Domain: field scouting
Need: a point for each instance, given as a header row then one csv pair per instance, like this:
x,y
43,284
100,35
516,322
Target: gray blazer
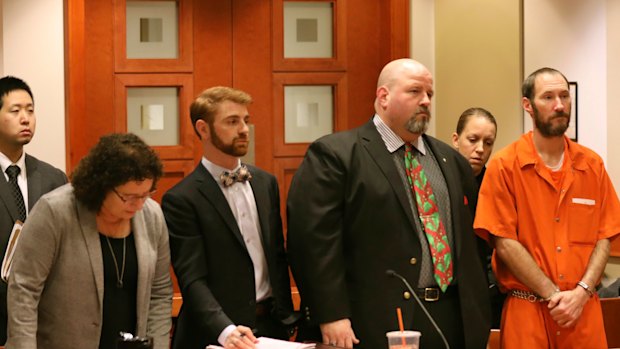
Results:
x,y
42,178
55,296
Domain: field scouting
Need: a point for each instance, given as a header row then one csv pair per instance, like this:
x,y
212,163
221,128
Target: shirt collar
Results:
x,y
392,141
216,170
21,163
527,155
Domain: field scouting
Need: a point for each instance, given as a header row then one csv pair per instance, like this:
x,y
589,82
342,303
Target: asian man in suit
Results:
x,y
226,235
387,196
25,178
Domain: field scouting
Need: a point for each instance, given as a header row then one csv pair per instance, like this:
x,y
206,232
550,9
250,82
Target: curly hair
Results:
x,y
116,159
206,104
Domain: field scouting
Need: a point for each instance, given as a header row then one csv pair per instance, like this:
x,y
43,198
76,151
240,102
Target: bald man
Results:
x,y
355,209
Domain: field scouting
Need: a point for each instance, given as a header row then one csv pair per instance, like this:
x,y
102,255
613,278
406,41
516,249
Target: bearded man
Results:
x,y
387,196
548,207
226,239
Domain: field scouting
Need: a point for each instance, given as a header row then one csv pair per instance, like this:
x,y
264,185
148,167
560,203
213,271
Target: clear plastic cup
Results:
x,y
411,339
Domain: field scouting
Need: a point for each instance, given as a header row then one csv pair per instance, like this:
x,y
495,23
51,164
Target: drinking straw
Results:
x,y
399,314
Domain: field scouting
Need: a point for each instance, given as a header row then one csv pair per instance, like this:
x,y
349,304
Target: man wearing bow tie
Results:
x,y
226,235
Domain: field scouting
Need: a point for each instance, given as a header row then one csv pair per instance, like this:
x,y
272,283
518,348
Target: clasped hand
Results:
x,y
566,307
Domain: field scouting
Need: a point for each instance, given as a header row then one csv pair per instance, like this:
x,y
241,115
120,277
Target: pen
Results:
x,y
254,332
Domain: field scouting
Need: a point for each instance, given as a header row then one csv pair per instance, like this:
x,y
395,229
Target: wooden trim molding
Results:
x,y
75,95
185,148
284,170
339,60
615,248
184,62
399,29
339,83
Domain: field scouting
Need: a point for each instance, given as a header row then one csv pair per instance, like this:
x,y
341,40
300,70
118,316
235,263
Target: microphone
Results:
x,y
392,273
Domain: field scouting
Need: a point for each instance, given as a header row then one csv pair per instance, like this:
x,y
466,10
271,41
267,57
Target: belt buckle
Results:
x,y
431,294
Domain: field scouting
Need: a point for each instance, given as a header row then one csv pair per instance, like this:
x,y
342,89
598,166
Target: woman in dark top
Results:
x,y
93,258
474,139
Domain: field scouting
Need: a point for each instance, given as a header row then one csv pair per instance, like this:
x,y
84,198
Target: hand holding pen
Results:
x,y
241,338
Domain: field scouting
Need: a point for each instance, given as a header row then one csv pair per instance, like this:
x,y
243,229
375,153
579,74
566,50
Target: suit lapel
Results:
x,y
212,192
374,144
263,206
90,233
34,181
454,188
7,197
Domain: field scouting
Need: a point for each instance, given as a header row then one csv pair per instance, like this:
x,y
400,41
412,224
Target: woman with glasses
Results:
x,y
93,258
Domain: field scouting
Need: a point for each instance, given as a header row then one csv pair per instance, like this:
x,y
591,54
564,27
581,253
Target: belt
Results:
x,y
263,307
433,294
526,295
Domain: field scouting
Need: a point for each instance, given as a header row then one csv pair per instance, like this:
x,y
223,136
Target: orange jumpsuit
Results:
x,y
558,217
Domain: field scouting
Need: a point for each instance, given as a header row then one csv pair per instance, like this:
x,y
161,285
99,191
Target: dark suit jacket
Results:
x,y
349,220
42,178
210,259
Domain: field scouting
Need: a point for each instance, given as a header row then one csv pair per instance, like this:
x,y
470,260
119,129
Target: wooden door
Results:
x,y
224,42
99,75
234,43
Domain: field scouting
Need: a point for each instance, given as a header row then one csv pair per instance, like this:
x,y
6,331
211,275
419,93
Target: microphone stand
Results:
x,y
392,273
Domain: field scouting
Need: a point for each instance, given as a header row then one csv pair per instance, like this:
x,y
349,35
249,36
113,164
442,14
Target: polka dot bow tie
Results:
x,y
241,175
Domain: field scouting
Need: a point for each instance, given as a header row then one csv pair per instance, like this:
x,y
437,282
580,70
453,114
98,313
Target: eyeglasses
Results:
x,y
133,199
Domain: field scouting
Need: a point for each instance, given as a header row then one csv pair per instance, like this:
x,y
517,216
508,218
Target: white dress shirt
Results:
x,y
242,203
22,181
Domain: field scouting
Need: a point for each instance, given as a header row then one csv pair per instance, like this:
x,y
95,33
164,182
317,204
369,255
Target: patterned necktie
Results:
x,y
13,171
431,222
230,178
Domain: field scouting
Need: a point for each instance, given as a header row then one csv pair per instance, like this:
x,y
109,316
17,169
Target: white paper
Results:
x,y
7,261
270,343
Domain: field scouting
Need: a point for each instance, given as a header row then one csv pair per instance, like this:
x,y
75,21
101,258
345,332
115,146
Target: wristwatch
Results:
x,y
585,287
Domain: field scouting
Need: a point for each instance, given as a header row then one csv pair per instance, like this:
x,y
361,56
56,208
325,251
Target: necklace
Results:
x,y
121,274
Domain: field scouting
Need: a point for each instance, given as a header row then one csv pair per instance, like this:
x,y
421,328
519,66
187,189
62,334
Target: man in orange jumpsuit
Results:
x,y
549,208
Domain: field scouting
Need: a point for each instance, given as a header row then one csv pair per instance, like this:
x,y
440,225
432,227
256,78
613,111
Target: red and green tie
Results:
x,y
431,222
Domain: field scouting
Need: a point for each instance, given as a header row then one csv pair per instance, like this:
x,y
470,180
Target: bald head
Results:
x,y
403,97
398,68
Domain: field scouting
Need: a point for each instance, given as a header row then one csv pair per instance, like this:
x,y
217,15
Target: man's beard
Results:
x,y
230,148
546,128
417,124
